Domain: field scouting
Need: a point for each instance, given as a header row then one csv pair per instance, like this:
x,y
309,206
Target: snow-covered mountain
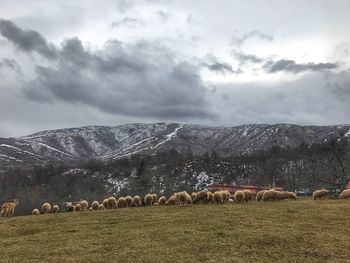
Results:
x,y
104,142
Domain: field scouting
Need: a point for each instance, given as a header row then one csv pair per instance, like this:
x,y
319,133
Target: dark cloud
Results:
x,y
27,40
137,80
239,41
11,64
293,67
246,58
128,22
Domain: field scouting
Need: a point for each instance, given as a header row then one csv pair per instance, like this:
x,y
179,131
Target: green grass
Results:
x,y
286,231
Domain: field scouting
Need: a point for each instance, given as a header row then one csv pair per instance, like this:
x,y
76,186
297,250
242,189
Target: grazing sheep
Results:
x,y
112,202
239,196
69,207
136,201
248,195
46,208
77,207
210,197
84,205
155,198
218,198
193,196
171,200
162,200
345,194
95,205
201,197
148,200
225,195
128,200
121,203
36,211
270,195
183,198
55,209
292,196
101,207
105,203
320,193
260,194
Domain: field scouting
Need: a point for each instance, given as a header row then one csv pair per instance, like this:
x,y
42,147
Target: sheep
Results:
x,y
248,195
112,202
46,208
84,205
55,209
210,197
218,198
345,194
239,196
260,194
193,196
162,200
183,198
155,198
148,199
319,194
201,197
171,200
282,195
77,207
136,201
270,195
128,200
121,203
225,195
90,208
69,207
105,203
95,205
292,196
36,211
101,207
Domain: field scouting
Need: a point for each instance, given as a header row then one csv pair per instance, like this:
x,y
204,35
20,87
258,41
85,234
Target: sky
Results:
x,y
218,63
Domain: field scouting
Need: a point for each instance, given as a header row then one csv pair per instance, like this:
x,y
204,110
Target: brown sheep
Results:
x,y
95,205
84,205
210,197
77,207
201,198
183,198
101,207
121,203
225,196
149,200
218,198
270,195
345,194
128,200
55,209
112,202
136,201
171,200
248,195
46,208
36,211
162,200
320,193
239,196
260,194
105,203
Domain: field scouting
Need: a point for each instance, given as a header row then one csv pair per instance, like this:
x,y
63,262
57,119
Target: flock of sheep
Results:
x,y
180,198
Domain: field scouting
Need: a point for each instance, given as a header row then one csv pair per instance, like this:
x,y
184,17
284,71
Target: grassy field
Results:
x,y
286,231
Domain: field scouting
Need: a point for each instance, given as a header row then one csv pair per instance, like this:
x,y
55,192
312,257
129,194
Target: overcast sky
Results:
x,y
77,63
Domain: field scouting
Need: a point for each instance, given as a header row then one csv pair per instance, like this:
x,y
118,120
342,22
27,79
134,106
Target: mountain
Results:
x,y
106,143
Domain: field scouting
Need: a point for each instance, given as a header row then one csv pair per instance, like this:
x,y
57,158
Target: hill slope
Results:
x,y
286,231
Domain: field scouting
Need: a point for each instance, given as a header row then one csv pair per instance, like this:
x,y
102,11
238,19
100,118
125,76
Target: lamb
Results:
x,y
121,203
84,205
260,194
69,207
320,193
270,195
136,201
218,198
225,195
36,211
148,200
248,195
171,200
101,207
239,196
162,200
55,209
95,205
46,208
128,200
112,202
77,207
105,203
183,198
345,194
